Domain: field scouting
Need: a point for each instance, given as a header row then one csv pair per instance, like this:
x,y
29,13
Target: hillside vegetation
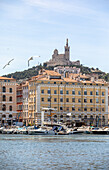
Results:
x,y
26,74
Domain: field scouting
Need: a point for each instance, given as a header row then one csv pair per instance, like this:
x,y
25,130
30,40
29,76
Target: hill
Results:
x,y
26,74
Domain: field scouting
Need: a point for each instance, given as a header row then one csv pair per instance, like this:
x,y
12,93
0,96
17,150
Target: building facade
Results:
x,y
64,70
85,101
7,101
19,96
25,103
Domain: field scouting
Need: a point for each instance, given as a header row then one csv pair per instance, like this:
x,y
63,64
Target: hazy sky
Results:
x,y
37,27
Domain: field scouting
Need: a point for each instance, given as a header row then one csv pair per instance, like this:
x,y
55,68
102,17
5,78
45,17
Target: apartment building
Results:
x,y
25,103
19,96
7,101
79,101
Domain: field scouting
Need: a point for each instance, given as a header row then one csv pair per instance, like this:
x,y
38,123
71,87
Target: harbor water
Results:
x,y
77,152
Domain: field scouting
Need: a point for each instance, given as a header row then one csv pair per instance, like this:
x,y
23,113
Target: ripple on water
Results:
x,y
54,152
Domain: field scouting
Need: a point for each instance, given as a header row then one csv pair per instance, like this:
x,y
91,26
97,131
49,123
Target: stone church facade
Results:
x,y
62,59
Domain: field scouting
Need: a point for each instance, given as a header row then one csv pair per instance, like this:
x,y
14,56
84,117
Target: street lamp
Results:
x,y
42,113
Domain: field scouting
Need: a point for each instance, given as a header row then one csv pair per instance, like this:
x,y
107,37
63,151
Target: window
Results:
x,y
73,108
55,99
85,109
73,83
10,90
79,109
73,116
55,91
4,107
49,99
85,100
91,109
3,89
4,98
10,116
73,99
97,93
79,100
67,92
85,92
4,116
103,117
79,92
61,99
61,108
61,116
10,98
61,91
54,82
73,92
61,83
102,100
49,91
67,116
102,109
97,109
67,99
42,99
97,101
90,84
91,101
55,116
91,117
10,108
79,116
85,117
91,93
42,91
102,93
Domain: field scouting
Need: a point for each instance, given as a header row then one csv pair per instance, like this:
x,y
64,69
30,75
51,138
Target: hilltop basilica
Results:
x,y
62,59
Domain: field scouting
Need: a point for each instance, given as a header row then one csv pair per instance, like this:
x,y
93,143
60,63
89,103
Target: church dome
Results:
x,y
56,51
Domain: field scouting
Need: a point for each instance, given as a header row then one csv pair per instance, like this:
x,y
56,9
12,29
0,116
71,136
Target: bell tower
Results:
x,y
67,50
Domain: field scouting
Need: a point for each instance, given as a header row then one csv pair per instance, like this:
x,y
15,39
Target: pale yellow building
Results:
x,y
76,101
7,101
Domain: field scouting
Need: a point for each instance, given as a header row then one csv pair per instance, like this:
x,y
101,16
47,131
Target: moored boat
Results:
x,y
100,131
1,129
39,131
7,131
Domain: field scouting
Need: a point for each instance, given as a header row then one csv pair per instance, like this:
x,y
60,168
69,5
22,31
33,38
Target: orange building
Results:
x,y
7,101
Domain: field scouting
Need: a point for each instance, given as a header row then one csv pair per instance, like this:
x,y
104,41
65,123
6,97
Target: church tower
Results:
x,y
67,51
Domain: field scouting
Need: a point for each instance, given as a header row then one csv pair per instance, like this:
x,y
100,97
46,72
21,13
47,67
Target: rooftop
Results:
x,y
6,78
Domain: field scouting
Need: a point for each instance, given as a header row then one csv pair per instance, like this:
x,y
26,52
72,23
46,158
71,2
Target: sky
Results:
x,y
37,27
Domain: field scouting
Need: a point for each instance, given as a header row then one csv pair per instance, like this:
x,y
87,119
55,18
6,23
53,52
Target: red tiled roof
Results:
x,y
6,78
